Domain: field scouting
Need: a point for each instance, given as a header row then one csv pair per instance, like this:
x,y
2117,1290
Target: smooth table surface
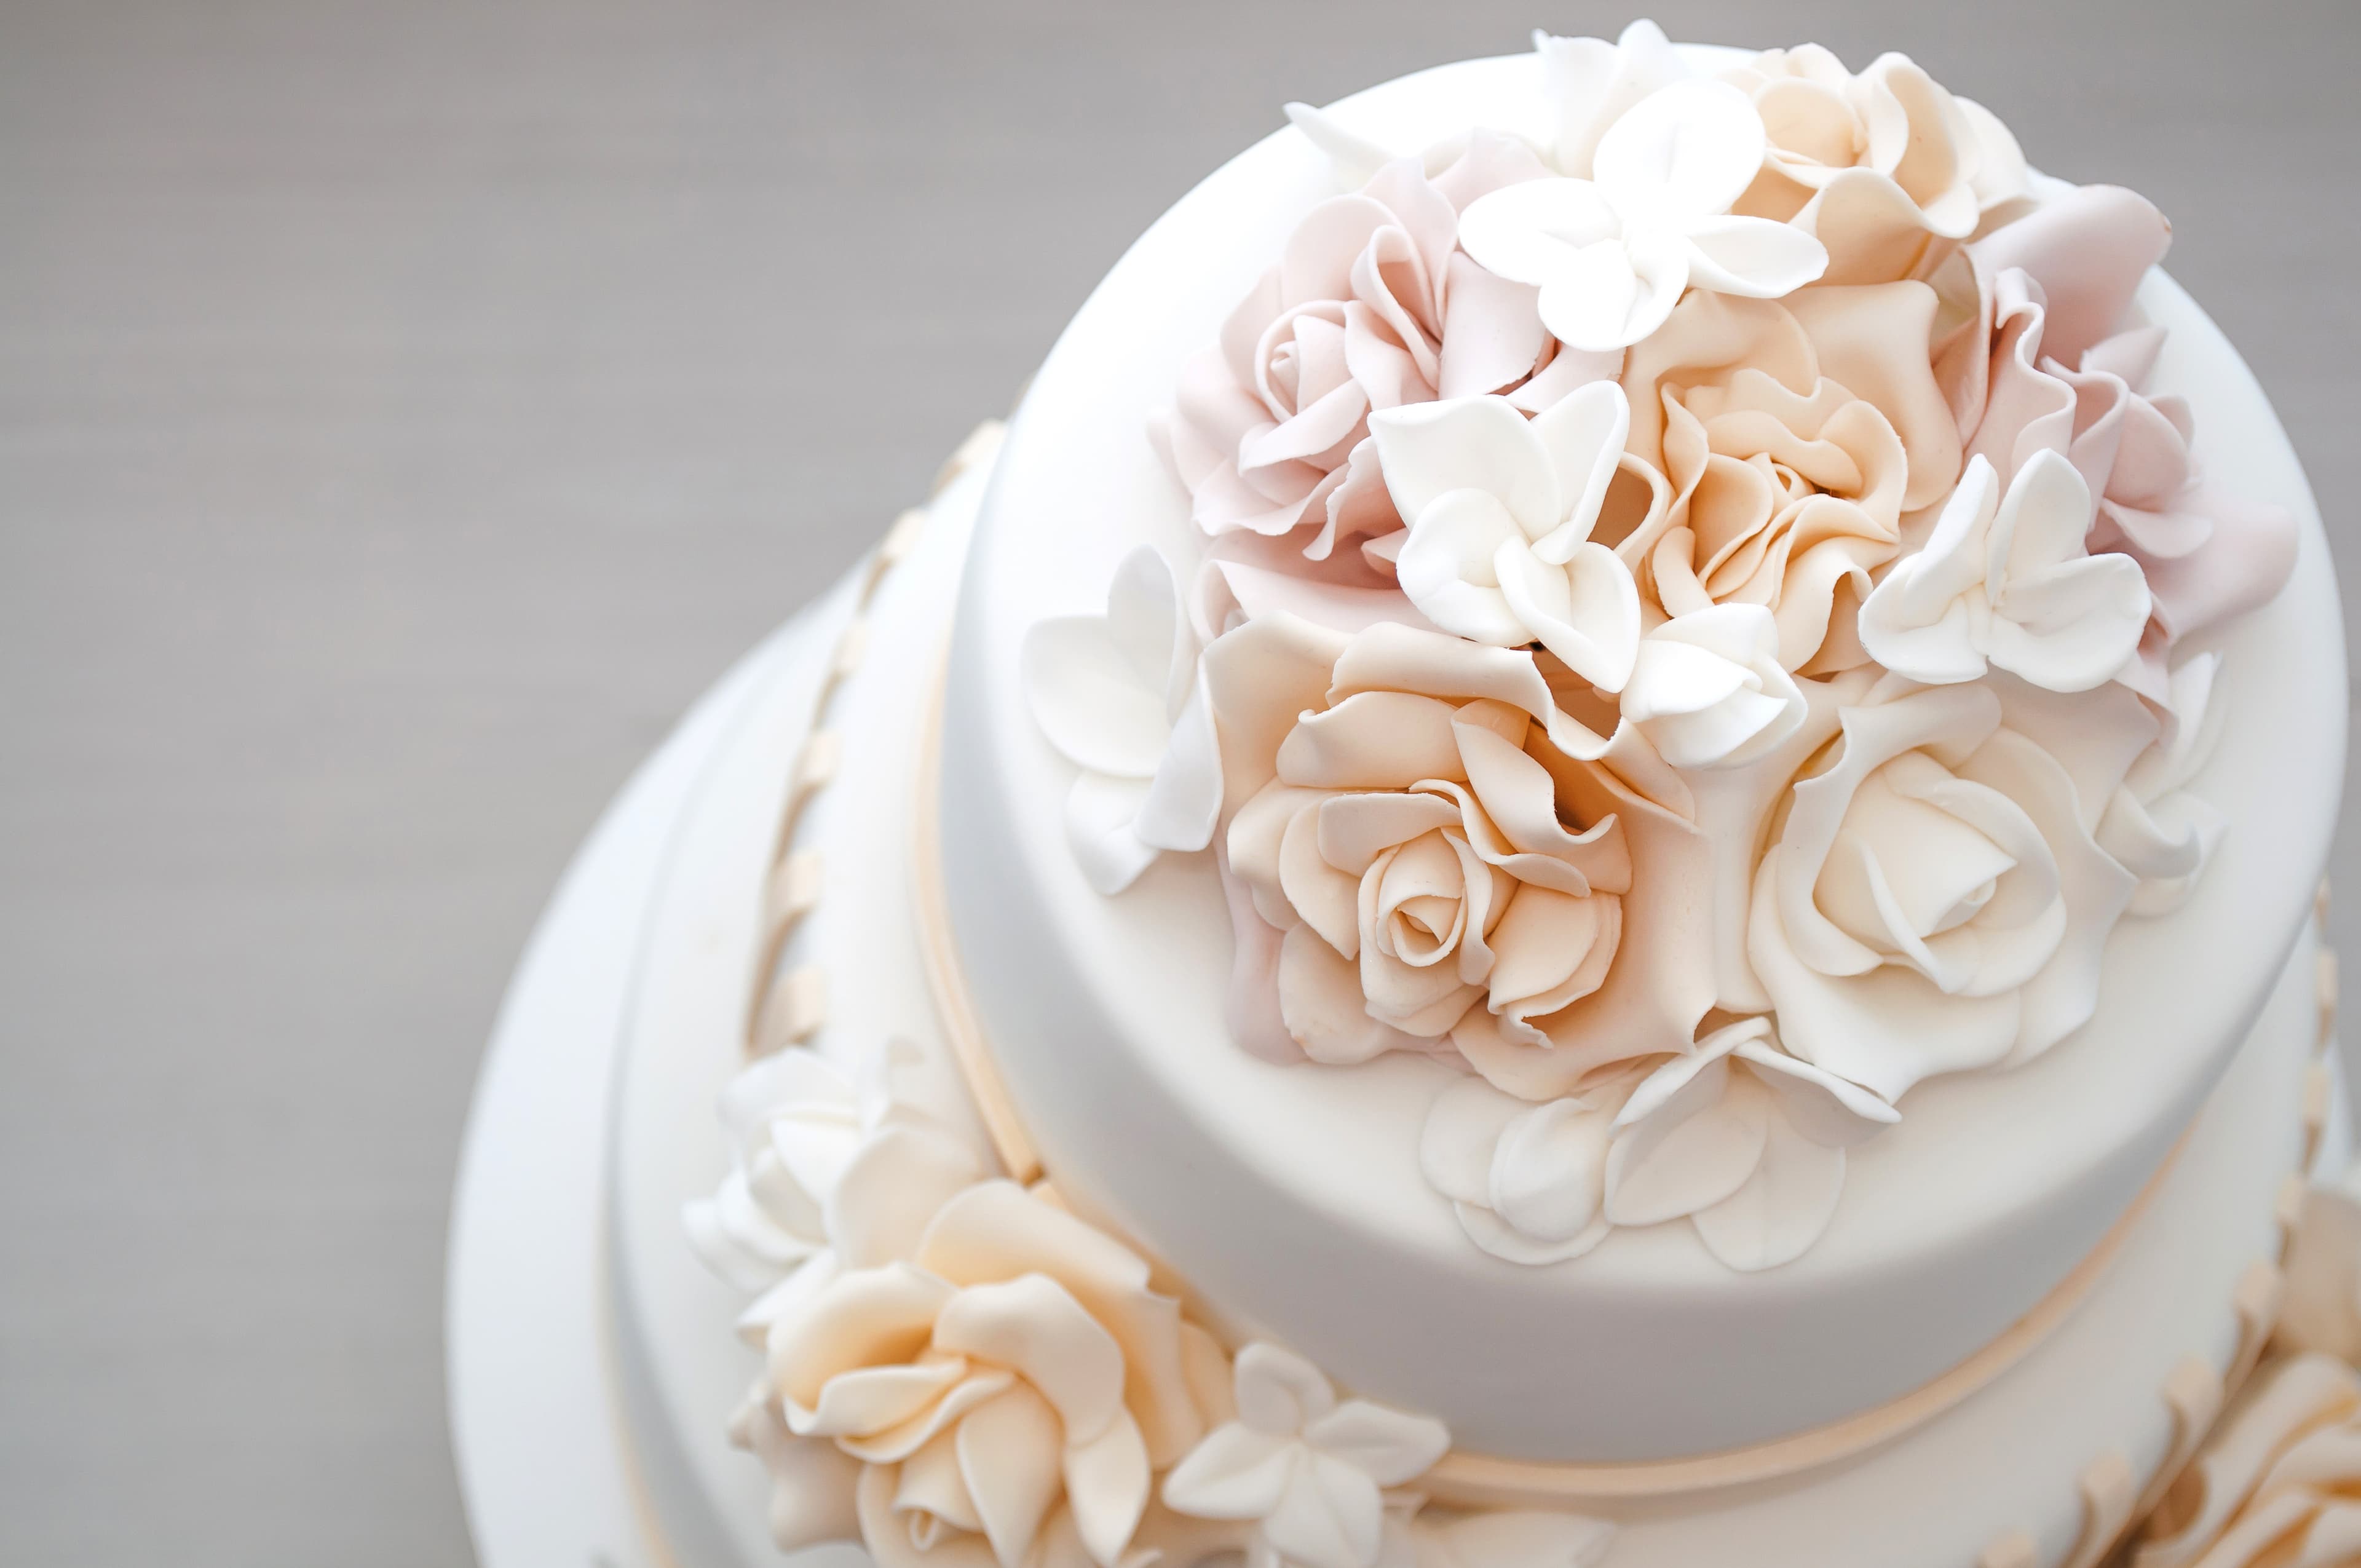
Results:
x,y
405,410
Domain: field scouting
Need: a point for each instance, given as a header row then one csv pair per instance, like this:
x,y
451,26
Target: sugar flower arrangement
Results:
x,y
1693,630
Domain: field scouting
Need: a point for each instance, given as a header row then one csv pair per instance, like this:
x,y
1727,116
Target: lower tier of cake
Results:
x,y
2038,1455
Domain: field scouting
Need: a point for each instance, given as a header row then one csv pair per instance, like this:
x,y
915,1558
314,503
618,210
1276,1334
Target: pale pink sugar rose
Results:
x,y
1784,442
1371,306
2209,555
1426,851
2050,362
2086,248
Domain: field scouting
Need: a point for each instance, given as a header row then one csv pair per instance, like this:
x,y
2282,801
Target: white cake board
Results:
x,y
535,1424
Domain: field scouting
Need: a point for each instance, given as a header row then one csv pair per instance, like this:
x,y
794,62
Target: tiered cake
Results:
x,y
1597,846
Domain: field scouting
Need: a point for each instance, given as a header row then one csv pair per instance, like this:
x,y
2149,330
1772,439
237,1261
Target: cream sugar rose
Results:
x,y
1696,618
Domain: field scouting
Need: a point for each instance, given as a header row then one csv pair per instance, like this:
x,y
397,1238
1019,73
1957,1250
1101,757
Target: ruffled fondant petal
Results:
x,y
1583,435
1099,709
1549,1169
1482,444
1008,1452
1526,233
1279,1391
1446,568
1781,1209
1592,84
1107,1485
1683,153
1585,612
1183,799
1668,1165
1616,292
1393,1447
1238,1472
1330,1516
892,1191
1102,827
1752,256
1816,1103
871,1317
1463,1128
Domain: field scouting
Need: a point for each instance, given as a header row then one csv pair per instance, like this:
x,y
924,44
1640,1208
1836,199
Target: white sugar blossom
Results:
x,y
1738,1138
1744,1141
2006,580
1500,511
1527,1182
1612,254
1708,688
1308,1470
1119,695
1592,84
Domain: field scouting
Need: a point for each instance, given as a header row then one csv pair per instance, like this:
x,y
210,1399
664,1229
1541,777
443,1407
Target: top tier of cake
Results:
x,y
1292,1197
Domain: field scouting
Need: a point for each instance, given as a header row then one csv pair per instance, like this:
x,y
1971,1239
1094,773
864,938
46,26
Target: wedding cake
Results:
x,y
1595,845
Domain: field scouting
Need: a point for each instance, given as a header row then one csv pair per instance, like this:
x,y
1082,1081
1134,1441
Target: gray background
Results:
x,y
405,409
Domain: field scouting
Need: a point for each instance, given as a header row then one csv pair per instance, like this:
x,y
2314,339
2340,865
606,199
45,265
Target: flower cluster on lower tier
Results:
x,y
1725,574
961,1373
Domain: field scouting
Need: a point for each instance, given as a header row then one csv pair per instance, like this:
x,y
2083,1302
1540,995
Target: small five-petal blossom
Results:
x,y
1309,1470
1500,511
2008,580
1612,254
